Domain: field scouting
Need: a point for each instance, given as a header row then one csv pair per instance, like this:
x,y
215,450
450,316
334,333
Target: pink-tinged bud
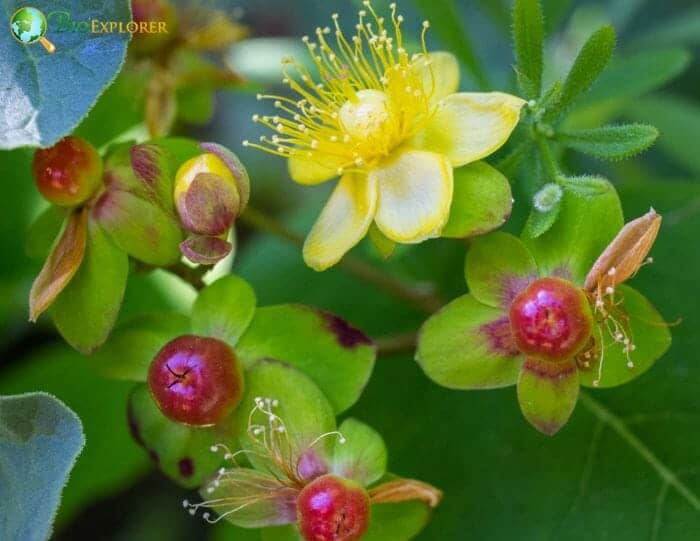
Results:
x,y
69,172
207,195
196,380
238,170
551,319
333,509
205,250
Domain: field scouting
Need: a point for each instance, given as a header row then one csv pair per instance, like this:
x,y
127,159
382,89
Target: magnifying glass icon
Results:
x,y
28,25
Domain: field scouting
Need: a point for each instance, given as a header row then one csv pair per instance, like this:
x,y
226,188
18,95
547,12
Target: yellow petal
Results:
x,y
469,126
415,193
343,222
440,73
312,170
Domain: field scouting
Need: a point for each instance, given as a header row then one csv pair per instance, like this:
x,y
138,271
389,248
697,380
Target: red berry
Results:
x,y
69,172
333,509
196,380
551,319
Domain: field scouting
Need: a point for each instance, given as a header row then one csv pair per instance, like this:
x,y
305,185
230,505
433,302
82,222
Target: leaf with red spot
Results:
x,y
468,345
333,353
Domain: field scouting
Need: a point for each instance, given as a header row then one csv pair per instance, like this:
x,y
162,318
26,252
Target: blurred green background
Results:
x,y
502,480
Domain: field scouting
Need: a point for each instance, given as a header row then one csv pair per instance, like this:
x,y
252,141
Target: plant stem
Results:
x,y
618,425
396,343
549,161
421,299
192,276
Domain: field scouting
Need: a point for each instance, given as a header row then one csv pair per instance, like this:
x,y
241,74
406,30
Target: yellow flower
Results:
x,y
392,126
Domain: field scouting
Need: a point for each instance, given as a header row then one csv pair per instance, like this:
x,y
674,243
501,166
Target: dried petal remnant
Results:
x,y
625,254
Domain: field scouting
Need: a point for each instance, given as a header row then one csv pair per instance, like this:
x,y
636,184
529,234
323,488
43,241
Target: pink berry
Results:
x,y
69,172
196,380
333,509
551,319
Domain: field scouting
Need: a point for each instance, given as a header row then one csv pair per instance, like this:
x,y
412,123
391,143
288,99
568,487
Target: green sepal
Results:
x,y
385,246
335,355
528,35
43,232
611,142
139,227
649,333
224,309
301,405
468,345
585,226
182,452
482,201
132,346
541,221
547,393
86,310
589,64
497,268
362,455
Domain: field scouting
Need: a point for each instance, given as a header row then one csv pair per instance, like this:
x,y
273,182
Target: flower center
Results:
x,y
363,98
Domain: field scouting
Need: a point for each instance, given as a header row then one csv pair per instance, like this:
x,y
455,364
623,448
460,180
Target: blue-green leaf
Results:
x,y
44,96
40,438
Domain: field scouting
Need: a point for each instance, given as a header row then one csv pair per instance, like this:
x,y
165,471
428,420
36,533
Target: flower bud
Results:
x,y
210,192
548,197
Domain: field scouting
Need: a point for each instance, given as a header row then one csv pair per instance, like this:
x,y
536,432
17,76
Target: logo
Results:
x,y
28,25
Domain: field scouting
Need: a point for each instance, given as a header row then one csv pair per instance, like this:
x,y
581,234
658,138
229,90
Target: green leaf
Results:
x,y
610,142
649,334
586,224
678,120
43,232
468,345
86,63
384,245
589,64
302,407
85,312
586,186
498,267
528,34
224,309
181,452
338,357
40,439
135,343
446,22
481,202
362,456
547,393
634,75
397,521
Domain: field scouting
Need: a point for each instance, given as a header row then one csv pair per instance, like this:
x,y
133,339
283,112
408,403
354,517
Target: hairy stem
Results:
x,y
416,296
618,425
548,159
